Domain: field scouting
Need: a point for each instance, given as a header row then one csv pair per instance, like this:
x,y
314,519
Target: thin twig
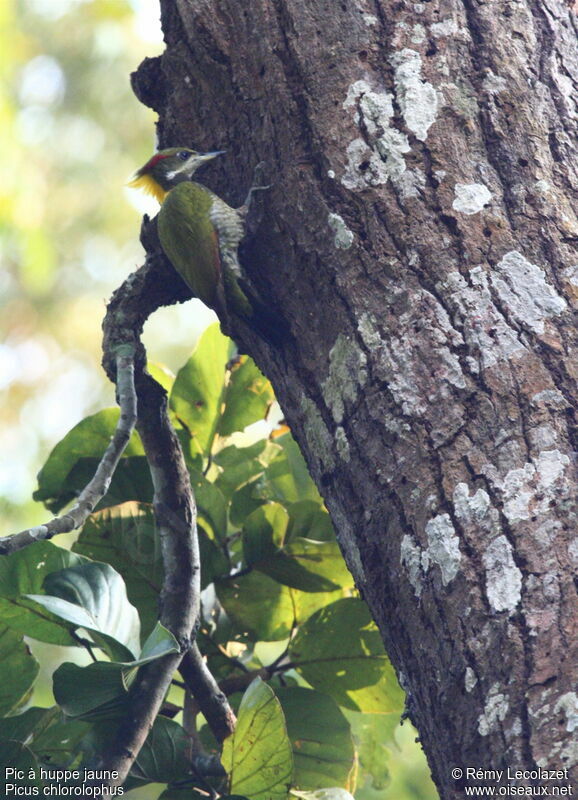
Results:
x,y
95,490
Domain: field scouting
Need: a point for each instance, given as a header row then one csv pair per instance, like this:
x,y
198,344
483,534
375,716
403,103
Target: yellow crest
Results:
x,y
148,185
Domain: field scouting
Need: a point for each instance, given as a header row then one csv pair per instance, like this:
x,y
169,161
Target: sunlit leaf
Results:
x,y
257,757
320,735
258,605
247,398
88,439
198,391
93,596
23,573
126,538
338,650
18,670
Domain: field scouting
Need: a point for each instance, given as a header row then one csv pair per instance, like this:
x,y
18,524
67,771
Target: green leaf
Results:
x,y
321,739
163,757
97,691
264,533
288,476
18,670
131,481
160,643
374,735
257,757
126,538
247,399
338,650
246,500
88,439
161,374
23,573
321,559
258,606
198,391
93,596
211,505
304,564
21,727
334,793
308,520
46,732
15,755
240,464
214,564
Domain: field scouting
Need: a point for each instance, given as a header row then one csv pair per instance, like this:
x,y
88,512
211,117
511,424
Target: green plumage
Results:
x,y
189,239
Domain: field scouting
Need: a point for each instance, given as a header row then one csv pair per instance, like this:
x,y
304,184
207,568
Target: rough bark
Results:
x,y
420,241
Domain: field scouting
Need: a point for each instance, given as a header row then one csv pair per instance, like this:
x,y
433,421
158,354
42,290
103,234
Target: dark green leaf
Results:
x,y
321,739
198,391
23,573
18,670
257,757
163,757
59,742
93,596
160,643
126,538
264,533
339,651
88,439
246,500
16,756
247,398
21,727
131,482
211,505
308,520
214,564
98,691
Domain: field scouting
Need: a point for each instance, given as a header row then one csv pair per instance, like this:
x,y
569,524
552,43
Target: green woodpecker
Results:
x,y
198,231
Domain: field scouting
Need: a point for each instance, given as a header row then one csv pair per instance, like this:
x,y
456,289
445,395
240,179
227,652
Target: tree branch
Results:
x,y
98,486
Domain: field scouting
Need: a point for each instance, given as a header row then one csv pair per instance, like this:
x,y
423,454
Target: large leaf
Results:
x,y
163,757
126,538
338,650
257,757
374,735
18,670
16,756
304,564
97,691
309,520
23,573
264,533
241,464
93,596
321,739
334,793
88,439
198,391
247,398
258,605
287,475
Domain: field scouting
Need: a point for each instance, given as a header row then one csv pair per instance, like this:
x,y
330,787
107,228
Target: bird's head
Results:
x,y
167,168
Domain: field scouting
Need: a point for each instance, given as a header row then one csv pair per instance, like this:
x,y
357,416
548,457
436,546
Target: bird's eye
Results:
x,y
183,155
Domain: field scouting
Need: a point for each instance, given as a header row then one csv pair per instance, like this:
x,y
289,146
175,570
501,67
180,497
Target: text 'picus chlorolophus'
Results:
x,y
198,231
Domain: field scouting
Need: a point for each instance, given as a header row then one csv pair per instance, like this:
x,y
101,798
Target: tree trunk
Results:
x,y
420,241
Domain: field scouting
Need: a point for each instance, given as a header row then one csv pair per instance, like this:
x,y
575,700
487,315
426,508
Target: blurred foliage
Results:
x,y
71,132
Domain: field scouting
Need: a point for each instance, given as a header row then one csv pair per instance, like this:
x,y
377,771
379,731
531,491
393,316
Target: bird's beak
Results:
x,y
209,156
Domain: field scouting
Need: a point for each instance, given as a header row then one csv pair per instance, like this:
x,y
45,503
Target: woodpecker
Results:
x,y
200,233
